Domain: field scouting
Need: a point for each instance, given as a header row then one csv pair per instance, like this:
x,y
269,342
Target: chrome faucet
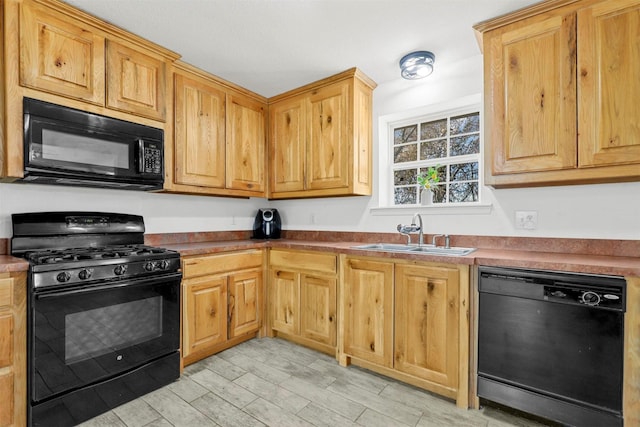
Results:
x,y
420,228
406,230
447,240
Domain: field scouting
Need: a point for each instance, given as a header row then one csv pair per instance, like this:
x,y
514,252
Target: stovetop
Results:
x,y
64,256
80,266
66,249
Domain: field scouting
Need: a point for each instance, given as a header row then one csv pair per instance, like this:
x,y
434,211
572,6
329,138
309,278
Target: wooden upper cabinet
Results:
x,y
609,88
61,55
199,133
532,80
246,143
560,93
219,137
135,82
288,136
328,137
320,139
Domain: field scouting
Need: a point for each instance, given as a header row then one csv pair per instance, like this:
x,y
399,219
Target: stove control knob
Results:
x,y
85,274
164,264
120,269
63,277
150,266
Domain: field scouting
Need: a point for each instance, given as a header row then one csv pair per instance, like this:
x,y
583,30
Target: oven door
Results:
x,y
83,336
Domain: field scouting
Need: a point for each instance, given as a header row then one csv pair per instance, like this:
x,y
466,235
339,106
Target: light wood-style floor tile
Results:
x,y
272,382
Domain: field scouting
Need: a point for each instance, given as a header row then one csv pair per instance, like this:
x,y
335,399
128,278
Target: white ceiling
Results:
x,y
271,46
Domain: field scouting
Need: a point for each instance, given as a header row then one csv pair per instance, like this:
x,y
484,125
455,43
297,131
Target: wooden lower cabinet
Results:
x,y
303,299
426,320
408,320
368,310
13,352
222,302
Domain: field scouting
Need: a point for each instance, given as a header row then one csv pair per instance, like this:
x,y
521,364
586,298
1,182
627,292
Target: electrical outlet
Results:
x,y
526,220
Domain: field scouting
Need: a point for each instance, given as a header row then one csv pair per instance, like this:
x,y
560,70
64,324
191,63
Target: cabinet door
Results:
x,y
6,368
288,153
135,82
318,308
328,137
245,296
285,301
199,133
609,88
61,56
426,323
531,99
205,314
245,144
368,311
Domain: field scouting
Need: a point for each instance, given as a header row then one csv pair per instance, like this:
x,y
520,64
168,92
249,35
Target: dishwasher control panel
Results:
x,y
588,295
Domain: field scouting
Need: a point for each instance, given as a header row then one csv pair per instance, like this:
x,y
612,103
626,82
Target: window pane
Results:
x,y
405,177
465,124
439,193
464,171
405,153
463,192
405,134
462,145
405,195
431,130
433,149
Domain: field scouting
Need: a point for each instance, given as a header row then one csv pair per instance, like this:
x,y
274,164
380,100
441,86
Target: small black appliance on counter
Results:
x,y
267,224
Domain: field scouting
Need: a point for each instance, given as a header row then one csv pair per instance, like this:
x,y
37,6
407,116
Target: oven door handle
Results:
x,y
110,285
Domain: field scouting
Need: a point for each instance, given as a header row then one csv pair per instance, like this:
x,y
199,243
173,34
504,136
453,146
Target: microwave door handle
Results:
x,y
140,156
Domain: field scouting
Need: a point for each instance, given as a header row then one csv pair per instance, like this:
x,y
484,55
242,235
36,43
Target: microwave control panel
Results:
x,y
151,157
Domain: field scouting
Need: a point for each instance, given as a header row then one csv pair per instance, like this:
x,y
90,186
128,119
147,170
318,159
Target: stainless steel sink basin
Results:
x,y
387,247
432,250
425,249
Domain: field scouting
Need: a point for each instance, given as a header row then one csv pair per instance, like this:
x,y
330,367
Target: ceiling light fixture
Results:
x,y
417,65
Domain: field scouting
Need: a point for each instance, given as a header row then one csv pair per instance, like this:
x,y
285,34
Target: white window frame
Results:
x,y
386,125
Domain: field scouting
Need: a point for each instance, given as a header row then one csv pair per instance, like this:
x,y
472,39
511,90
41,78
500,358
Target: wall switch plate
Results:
x,y
526,220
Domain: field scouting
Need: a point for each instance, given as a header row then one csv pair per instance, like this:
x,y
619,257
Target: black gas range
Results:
x,y
103,313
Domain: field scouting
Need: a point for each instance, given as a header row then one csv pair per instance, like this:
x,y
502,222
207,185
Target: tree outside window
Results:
x,y
452,143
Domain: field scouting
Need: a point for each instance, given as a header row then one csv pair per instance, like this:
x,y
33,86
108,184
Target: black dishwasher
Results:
x,y
551,344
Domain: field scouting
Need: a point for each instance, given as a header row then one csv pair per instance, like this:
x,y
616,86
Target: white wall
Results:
x,y
608,211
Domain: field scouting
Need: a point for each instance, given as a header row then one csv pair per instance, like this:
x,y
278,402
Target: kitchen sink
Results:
x,y
433,250
386,247
425,249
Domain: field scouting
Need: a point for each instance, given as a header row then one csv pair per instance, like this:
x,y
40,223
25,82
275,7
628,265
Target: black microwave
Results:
x,y
72,147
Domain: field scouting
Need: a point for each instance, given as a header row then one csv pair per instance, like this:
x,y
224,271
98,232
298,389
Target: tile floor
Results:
x,y
272,382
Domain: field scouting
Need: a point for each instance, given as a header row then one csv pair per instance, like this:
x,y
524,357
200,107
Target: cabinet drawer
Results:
x,y
214,264
6,292
325,263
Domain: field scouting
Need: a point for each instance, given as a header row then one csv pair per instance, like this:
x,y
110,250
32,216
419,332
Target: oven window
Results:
x,y
92,333
85,150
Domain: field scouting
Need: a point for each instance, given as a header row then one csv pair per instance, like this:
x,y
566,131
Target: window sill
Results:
x,y
476,209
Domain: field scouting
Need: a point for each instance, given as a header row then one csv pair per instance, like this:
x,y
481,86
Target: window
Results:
x,y
448,141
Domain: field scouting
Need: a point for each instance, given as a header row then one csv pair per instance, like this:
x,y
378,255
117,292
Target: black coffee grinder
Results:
x,y
267,224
